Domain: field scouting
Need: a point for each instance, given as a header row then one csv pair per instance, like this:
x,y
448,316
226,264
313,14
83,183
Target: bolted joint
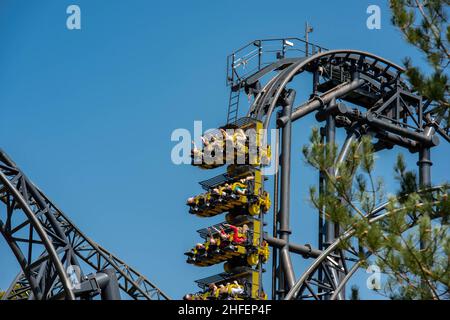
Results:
x,y
332,109
284,231
287,98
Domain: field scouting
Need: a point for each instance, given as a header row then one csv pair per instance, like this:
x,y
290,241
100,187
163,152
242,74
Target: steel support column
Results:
x,y
107,281
275,214
424,164
285,184
331,229
321,213
331,140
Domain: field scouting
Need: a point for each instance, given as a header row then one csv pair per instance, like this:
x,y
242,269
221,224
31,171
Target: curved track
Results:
x,y
377,102
50,248
339,274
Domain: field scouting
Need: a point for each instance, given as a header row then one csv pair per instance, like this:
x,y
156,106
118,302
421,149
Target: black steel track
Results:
x,y
46,243
381,104
375,101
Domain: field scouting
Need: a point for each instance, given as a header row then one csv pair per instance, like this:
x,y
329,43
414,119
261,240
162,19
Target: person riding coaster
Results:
x,y
221,192
228,291
225,246
229,241
228,148
221,246
225,197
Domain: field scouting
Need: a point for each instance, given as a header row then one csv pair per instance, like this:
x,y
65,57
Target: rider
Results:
x,y
239,234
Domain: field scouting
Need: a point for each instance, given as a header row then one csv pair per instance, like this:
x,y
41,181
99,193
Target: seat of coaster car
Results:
x,y
222,207
213,258
242,277
223,251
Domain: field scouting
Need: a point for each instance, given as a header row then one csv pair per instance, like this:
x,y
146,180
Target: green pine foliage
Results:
x,y
424,24
411,245
393,243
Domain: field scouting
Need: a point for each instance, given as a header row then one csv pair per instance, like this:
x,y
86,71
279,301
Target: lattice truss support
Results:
x,y
50,249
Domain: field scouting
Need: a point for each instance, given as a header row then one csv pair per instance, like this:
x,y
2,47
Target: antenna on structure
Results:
x,y
308,30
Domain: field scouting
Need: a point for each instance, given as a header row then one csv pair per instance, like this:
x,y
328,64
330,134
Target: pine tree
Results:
x,y
424,24
412,272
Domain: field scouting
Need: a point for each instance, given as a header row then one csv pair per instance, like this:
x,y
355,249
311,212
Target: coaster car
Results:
x,y
229,197
222,246
228,291
240,143
211,159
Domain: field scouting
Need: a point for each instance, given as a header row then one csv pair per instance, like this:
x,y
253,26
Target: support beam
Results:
x,y
352,135
34,221
285,192
321,213
331,140
104,283
394,139
332,108
428,140
424,164
107,281
275,214
318,102
305,250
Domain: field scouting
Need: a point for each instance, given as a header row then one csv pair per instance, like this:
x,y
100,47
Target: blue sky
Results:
x,y
88,114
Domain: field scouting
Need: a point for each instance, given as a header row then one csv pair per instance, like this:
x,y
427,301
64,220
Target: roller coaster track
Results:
x,y
377,102
328,262
50,249
47,245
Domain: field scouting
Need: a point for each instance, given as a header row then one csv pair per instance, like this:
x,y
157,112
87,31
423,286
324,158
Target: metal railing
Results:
x,y
258,54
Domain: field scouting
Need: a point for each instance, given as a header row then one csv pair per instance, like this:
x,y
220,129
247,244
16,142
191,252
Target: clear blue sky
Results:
x,y
88,114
